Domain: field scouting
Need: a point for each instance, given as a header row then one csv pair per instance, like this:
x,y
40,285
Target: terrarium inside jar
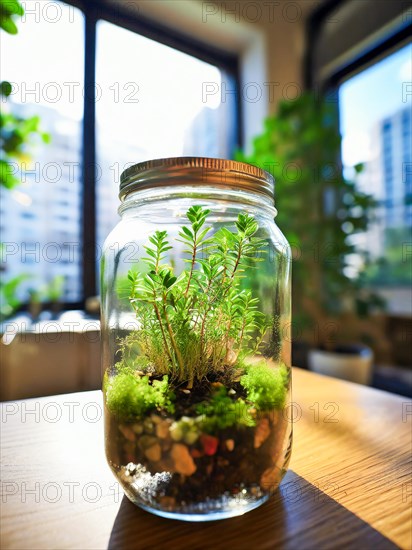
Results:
x,y
196,351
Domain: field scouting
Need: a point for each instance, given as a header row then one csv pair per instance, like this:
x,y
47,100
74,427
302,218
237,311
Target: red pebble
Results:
x,y
210,444
196,453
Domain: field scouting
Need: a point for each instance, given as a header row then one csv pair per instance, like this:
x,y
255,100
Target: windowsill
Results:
x,y
73,321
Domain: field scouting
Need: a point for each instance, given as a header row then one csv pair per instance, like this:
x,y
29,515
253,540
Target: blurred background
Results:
x,y
318,93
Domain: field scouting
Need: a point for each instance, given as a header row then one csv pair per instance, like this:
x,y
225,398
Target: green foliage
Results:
x,y
129,396
222,412
200,321
266,387
55,289
15,132
395,268
9,9
9,300
318,209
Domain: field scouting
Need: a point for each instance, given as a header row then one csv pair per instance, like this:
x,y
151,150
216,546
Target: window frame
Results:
x,y
93,11
392,42
368,56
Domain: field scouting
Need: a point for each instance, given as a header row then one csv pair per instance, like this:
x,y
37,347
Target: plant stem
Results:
x,y
159,318
192,266
172,339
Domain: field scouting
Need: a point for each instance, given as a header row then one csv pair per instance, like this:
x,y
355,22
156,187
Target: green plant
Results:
x,y
9,299
265,387
318,209
9,10
15,134
222,412
15,131
128,396
198,323
55,289
197,331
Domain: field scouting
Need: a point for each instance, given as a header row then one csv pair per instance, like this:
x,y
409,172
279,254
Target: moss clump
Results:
x,y
223,412
129,396
266,388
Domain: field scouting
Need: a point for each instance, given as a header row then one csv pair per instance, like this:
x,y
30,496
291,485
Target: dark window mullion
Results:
x,y
89,159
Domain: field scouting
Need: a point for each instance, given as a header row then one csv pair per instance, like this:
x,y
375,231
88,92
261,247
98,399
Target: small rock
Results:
x,y
156,419
127,432
162,429
154,452
146,441
183,462
191,437
231,392
209,443
137,428
186,391
130,469
176,432
261,433
148,426
230,444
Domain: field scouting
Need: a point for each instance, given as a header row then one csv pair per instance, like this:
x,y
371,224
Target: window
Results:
x,y
376,128
108,96
44,72
153,107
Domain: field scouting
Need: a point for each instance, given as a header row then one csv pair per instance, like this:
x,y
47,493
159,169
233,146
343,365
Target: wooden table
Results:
x,y
349,483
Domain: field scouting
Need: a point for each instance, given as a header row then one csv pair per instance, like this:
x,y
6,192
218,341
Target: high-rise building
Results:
x,y
388,177
396,143
40,219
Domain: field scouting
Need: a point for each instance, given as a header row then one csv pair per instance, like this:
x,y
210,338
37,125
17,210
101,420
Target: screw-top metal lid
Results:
x,y
193,171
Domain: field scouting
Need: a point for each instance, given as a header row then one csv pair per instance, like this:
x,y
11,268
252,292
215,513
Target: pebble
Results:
x,y
183,462
162,429
131,469
146,441
231,392
148,425
261,433
137,428
210,444
176,432
127,432
186,391
230,444
154,452
191,437
156,419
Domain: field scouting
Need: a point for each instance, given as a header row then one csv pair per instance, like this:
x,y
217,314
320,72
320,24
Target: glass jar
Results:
x,y
195,283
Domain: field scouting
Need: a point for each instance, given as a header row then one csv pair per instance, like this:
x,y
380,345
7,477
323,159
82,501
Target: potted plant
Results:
x,y
320,210
195,423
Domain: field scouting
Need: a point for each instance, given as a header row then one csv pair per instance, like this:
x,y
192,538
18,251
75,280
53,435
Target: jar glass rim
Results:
x,y
172,171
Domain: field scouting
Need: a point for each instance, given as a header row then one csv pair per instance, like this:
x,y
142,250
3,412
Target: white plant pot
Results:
x,y
355,366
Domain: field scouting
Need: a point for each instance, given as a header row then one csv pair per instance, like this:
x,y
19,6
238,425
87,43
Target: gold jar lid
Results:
x,y
191,171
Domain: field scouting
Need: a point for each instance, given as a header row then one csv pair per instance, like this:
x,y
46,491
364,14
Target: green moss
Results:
x,y
266,387
129,396
222,412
